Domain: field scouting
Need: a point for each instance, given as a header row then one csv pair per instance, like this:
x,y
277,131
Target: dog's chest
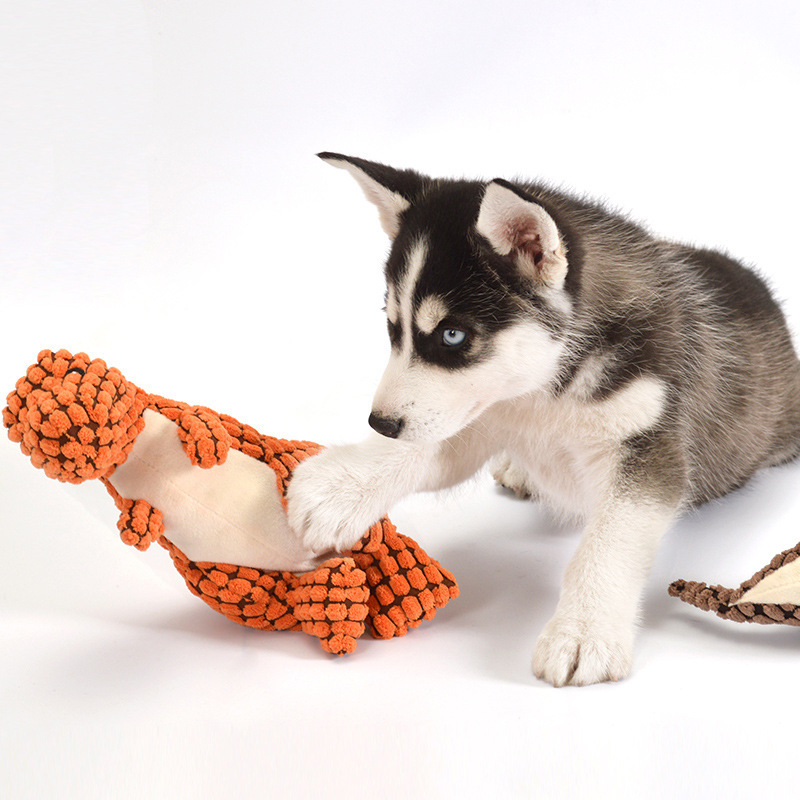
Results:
x,y
571,446
564,469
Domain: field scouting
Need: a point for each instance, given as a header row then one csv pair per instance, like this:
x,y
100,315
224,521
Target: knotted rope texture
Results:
x,y
725,602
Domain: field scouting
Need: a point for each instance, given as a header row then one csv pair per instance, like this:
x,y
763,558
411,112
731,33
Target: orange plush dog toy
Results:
x,y
211,492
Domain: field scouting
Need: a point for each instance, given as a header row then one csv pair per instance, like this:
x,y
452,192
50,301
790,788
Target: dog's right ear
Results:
x,y
517,227
391,190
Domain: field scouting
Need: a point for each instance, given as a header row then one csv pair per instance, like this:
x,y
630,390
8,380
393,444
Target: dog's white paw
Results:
x,y
329,504
512,477
578,653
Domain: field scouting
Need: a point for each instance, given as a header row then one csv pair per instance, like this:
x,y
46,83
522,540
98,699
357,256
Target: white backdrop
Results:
x,y
161,207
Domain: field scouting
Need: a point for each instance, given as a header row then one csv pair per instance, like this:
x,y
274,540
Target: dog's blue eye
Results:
x,y
452,337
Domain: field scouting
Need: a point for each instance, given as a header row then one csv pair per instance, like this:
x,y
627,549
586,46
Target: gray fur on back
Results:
x,y
699,320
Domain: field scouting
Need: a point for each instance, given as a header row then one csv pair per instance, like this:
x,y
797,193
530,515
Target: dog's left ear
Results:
x,y
517,227
391,190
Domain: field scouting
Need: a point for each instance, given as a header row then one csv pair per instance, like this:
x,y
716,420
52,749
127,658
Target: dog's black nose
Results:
x,y
386,425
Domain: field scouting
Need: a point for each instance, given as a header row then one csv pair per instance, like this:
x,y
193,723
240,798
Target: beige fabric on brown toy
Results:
x,y
770,597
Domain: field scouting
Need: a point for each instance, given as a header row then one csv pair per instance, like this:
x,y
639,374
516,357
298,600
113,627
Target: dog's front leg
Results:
x,y
334,497
590,637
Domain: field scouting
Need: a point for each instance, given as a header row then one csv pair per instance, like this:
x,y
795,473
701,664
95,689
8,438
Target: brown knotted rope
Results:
x,y
724,602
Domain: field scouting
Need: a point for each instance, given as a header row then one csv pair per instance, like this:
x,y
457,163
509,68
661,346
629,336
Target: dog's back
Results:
x,y
742,399
701,321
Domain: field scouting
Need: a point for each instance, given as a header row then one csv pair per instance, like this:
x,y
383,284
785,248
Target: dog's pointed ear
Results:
x,y
391,190
519,228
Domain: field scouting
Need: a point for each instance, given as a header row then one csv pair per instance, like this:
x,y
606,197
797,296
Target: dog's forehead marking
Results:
x,y
414,264
392,306
430,312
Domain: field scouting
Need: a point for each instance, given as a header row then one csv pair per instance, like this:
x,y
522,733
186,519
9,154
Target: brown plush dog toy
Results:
x,y
217,488
770,597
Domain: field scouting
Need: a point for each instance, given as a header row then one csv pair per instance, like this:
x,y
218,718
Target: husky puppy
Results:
x,y
618,377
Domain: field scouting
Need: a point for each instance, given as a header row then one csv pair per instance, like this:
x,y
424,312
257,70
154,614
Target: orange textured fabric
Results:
x,y
77,419
406,584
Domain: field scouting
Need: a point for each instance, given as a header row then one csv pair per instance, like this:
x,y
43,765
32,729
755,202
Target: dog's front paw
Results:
x,y
576,652
329,504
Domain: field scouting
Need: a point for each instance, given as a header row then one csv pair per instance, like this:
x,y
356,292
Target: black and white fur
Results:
x,y
615,376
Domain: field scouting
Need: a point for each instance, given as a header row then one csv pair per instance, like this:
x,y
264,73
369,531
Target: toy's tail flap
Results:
x,y
770,597
407,586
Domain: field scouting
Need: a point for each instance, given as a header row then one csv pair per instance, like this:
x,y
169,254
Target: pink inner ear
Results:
x,y
532,247
525,240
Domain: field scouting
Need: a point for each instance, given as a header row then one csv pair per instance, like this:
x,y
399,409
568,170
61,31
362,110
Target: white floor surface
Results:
x,y
161,207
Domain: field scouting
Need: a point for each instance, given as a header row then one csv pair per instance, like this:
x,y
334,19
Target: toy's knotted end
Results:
x,y
140,524
331,604
717,599
700,595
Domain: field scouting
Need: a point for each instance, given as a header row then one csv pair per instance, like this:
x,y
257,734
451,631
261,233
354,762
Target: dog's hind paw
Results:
x,y
512,477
